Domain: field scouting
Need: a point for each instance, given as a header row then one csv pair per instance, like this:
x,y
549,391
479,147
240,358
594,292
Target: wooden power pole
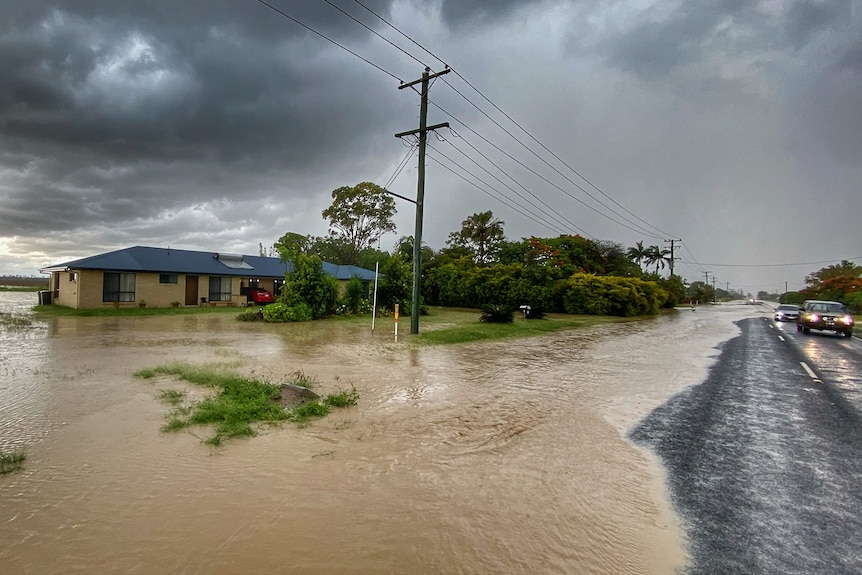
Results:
x,y
420,188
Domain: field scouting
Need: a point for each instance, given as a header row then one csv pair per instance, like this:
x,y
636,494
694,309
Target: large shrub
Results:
x,y
610,295
395,285
281,312
309,285
354,294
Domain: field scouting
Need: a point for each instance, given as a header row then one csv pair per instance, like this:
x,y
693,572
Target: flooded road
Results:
x,y
504,457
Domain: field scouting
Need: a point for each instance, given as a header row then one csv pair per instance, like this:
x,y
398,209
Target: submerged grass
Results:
x,y
13,321
172,396
238,403
10,462
444,326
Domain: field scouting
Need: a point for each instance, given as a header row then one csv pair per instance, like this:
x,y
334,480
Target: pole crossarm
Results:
x,y
406,199
424,78
418,130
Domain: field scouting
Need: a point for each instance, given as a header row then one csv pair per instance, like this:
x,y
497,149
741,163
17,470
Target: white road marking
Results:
x,y
781,338
809,371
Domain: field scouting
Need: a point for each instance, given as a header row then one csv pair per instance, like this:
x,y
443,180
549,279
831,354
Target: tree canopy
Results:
x,y
482,234
359,216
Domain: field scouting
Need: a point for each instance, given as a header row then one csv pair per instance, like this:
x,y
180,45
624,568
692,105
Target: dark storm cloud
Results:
x,y
120,109
188,19
807,17
657,43
463,13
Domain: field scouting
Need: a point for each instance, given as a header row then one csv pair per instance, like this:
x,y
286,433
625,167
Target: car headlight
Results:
x,y
813,317
847,319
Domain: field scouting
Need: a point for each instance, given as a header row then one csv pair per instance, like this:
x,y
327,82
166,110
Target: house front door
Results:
x,y
191,290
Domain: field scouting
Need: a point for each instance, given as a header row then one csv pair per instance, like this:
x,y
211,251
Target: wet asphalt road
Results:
x,y
764,460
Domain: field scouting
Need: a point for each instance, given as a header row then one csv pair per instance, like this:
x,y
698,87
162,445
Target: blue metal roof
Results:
x,y
169,260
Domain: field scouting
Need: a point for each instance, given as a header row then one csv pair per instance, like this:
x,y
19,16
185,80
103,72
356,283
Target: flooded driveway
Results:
x,y
504,457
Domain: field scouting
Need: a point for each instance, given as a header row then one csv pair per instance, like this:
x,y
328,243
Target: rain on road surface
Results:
x,y
764,461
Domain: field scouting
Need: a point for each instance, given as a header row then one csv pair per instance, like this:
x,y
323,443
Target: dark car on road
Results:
x,y
824,315
786,312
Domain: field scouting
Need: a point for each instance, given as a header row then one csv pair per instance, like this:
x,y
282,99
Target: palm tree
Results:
x,y
483,233
659,257
637,253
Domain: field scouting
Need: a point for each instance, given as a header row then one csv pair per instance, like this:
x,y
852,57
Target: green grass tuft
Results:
x,y
302,414
239,402
172,396
10,462
344,398
302,380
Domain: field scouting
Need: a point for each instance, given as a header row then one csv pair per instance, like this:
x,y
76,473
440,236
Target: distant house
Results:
x,y
162,277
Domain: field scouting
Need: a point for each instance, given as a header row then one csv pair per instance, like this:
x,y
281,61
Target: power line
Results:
x,y
500,197
420,46
401,166
328,39
525,131
543,178
554,213
376,33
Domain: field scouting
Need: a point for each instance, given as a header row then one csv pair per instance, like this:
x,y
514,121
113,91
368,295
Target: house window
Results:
x,y
219,288
118,287
167,278
73,277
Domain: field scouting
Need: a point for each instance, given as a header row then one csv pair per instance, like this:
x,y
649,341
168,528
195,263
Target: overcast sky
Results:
x,y
733,125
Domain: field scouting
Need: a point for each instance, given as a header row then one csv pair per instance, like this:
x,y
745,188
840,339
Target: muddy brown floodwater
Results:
x,y
505,457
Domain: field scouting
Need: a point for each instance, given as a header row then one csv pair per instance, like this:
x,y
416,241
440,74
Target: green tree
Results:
x,y
482,233
291,245
359,216
404,248
614,259
848,269
395,285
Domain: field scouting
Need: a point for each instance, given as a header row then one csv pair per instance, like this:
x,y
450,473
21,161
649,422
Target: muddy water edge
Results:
x,y
503,457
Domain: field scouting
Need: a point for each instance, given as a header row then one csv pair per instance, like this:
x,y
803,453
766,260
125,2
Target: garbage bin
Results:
x,y
45,297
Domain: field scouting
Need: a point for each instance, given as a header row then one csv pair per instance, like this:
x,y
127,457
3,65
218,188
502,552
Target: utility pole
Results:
x,y
713,288
420,188
706,283
671,242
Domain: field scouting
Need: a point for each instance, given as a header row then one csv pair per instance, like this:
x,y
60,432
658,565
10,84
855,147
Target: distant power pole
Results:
x,y
420,188
672,258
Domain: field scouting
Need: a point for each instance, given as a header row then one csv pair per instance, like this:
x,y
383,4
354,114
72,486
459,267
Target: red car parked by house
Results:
x,y
259,296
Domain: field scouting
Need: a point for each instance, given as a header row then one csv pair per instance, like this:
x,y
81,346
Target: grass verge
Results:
x,y
448,326
10,462
61,311
23,288
239,402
